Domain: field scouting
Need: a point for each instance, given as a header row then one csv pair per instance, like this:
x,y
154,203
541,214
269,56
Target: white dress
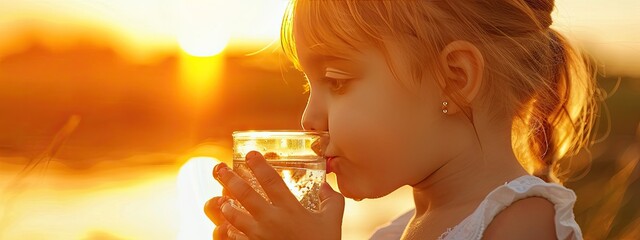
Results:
x,y
474,225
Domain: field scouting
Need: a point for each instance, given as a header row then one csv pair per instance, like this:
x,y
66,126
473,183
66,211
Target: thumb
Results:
x,y
331,202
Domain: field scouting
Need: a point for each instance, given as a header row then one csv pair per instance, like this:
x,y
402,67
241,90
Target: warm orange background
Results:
x,y
102,103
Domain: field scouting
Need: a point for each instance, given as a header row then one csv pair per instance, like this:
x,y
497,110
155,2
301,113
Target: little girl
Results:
x,y
478,105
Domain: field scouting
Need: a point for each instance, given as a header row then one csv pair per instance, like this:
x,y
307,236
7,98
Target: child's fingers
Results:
x,y
233,233
240,190
220,232
226,192
270,180
238,218
212,210
331,202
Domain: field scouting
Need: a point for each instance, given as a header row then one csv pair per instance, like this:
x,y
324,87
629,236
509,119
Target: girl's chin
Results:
x,y
358,193
354,197
347,192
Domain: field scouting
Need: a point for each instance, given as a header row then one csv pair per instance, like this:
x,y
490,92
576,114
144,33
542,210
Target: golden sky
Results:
x,y
143,27
609,29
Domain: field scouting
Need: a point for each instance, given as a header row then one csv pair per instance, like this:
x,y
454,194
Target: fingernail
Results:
x,y
216,169
226,208
220,171
250,157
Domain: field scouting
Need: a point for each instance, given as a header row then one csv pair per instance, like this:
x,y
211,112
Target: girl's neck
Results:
x,y
464,181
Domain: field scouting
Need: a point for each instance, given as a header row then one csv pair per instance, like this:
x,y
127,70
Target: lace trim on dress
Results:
x,y
473,226
563,199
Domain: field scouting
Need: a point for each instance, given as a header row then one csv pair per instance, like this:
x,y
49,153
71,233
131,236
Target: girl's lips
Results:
x,y
330,162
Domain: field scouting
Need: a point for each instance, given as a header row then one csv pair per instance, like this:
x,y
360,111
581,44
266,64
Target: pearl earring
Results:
x,y
444,107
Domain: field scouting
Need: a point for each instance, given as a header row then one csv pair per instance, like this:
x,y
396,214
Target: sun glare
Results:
x,y
202,46
199,77
195,187
203,29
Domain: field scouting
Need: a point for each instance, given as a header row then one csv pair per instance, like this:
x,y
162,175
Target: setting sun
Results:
x,y
203,28
203,45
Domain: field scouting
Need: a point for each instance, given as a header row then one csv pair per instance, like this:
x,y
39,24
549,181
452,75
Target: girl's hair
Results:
x,y
532,73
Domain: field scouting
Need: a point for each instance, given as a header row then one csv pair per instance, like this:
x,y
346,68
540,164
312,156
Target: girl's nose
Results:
x,y
315,116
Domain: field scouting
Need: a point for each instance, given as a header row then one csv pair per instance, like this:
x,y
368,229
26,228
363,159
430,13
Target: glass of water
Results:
x,y
298,156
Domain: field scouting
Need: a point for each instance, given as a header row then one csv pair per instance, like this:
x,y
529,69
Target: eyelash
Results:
x,y
337,85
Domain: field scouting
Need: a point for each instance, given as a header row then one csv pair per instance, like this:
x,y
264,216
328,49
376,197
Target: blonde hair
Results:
x,y
531,71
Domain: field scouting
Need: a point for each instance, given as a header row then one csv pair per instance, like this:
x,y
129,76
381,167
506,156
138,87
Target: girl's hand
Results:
x,y
223,230
283,218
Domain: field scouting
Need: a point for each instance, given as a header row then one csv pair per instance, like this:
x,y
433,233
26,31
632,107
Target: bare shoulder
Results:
x,y
528,218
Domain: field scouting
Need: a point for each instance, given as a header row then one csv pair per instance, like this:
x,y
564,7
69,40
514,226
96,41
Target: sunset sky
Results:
x,y
143,28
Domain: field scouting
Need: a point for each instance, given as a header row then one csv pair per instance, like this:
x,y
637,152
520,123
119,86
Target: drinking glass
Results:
x,y
297,156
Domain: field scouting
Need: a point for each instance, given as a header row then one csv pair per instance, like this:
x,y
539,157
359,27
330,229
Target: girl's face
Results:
x,y
382,135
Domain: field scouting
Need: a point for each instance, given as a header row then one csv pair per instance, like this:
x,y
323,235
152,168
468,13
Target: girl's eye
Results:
x,y
336,85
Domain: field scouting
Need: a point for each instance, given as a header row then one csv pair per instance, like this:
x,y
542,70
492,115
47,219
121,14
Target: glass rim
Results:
x,y
278,133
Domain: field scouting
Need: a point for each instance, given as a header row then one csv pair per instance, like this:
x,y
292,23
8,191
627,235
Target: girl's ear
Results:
x,y
463,66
